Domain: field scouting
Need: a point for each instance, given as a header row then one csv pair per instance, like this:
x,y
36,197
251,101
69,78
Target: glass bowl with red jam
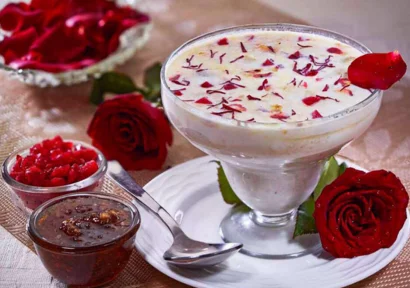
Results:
x,y
52,168
84,239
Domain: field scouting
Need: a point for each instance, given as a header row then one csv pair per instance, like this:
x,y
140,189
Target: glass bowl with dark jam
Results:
x,y
84,239
51,168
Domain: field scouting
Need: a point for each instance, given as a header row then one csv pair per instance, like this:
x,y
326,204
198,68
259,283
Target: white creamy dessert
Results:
x,y
271,156
266,76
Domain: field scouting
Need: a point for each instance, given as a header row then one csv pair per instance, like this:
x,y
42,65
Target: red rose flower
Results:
x,y
359,212
131,131
61,35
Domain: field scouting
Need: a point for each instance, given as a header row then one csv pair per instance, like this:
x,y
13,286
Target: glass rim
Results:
x,y
41,241
268,27
57,189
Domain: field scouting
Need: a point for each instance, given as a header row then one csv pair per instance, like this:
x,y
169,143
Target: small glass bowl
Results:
x,y
27,197
85,266
131,40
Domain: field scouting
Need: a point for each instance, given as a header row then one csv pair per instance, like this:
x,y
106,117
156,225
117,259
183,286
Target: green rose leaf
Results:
x,y
329,174
119,83
342,168
305,223
228,194
112,82
152,82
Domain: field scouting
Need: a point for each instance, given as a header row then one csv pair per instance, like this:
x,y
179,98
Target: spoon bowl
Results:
x,y
184,251
195,254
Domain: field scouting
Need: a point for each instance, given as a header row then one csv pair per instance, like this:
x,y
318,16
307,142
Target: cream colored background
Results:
x,y
383,25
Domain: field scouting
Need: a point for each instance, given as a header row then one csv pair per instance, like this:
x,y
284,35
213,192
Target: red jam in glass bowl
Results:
x,y
52,168
84,239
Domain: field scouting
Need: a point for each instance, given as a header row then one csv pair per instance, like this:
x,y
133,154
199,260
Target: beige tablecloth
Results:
x,y
28,114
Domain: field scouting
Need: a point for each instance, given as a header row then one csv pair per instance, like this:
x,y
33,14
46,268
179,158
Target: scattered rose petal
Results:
x,y
377,70
314,99
316,114
204,100
206,84
268,62
223,41
295,55
334,50
251,98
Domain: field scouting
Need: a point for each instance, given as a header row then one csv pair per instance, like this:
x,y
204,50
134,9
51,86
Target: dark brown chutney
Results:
x,y
84,221
85,239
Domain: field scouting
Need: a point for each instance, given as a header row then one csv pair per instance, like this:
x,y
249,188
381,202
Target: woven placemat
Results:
x,y
28,114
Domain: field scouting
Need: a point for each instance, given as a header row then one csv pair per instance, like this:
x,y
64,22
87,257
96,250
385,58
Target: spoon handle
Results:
x,y
126,182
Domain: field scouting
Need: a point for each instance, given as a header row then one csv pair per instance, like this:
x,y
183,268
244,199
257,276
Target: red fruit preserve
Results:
x,y
84,239
52,168
55,162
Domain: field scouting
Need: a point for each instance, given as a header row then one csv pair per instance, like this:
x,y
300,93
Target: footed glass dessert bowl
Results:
x,y
272,148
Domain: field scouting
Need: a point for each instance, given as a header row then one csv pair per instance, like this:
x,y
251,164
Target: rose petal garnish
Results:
x,y
316,114
203,100
377,70
334,50
223,41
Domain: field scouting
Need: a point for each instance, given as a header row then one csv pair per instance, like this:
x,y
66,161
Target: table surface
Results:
x,y
380,24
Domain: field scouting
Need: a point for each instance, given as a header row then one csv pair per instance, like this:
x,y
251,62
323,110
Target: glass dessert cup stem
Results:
x,y
267,236
272,195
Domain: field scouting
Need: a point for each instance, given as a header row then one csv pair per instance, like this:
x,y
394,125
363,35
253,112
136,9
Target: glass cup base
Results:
x,y
242,225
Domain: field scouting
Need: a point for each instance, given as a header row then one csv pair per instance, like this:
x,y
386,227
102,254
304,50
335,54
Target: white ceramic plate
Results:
x,y
190,192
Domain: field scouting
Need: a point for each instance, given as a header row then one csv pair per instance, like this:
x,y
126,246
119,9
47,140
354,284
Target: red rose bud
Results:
x,y
377,70
360,213
130,130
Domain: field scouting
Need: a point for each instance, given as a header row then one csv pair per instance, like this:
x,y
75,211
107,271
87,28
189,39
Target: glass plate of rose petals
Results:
x,y
65,42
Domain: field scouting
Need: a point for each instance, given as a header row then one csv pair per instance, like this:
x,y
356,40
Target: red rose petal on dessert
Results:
x,y
334,50
316,114
238,107
309,101
279,116
203,100
268,62
230,86
206,84
264,85
251,98
295,55
223,41
377,70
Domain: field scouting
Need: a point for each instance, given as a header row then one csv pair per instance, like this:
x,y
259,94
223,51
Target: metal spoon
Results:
x,y
184,251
